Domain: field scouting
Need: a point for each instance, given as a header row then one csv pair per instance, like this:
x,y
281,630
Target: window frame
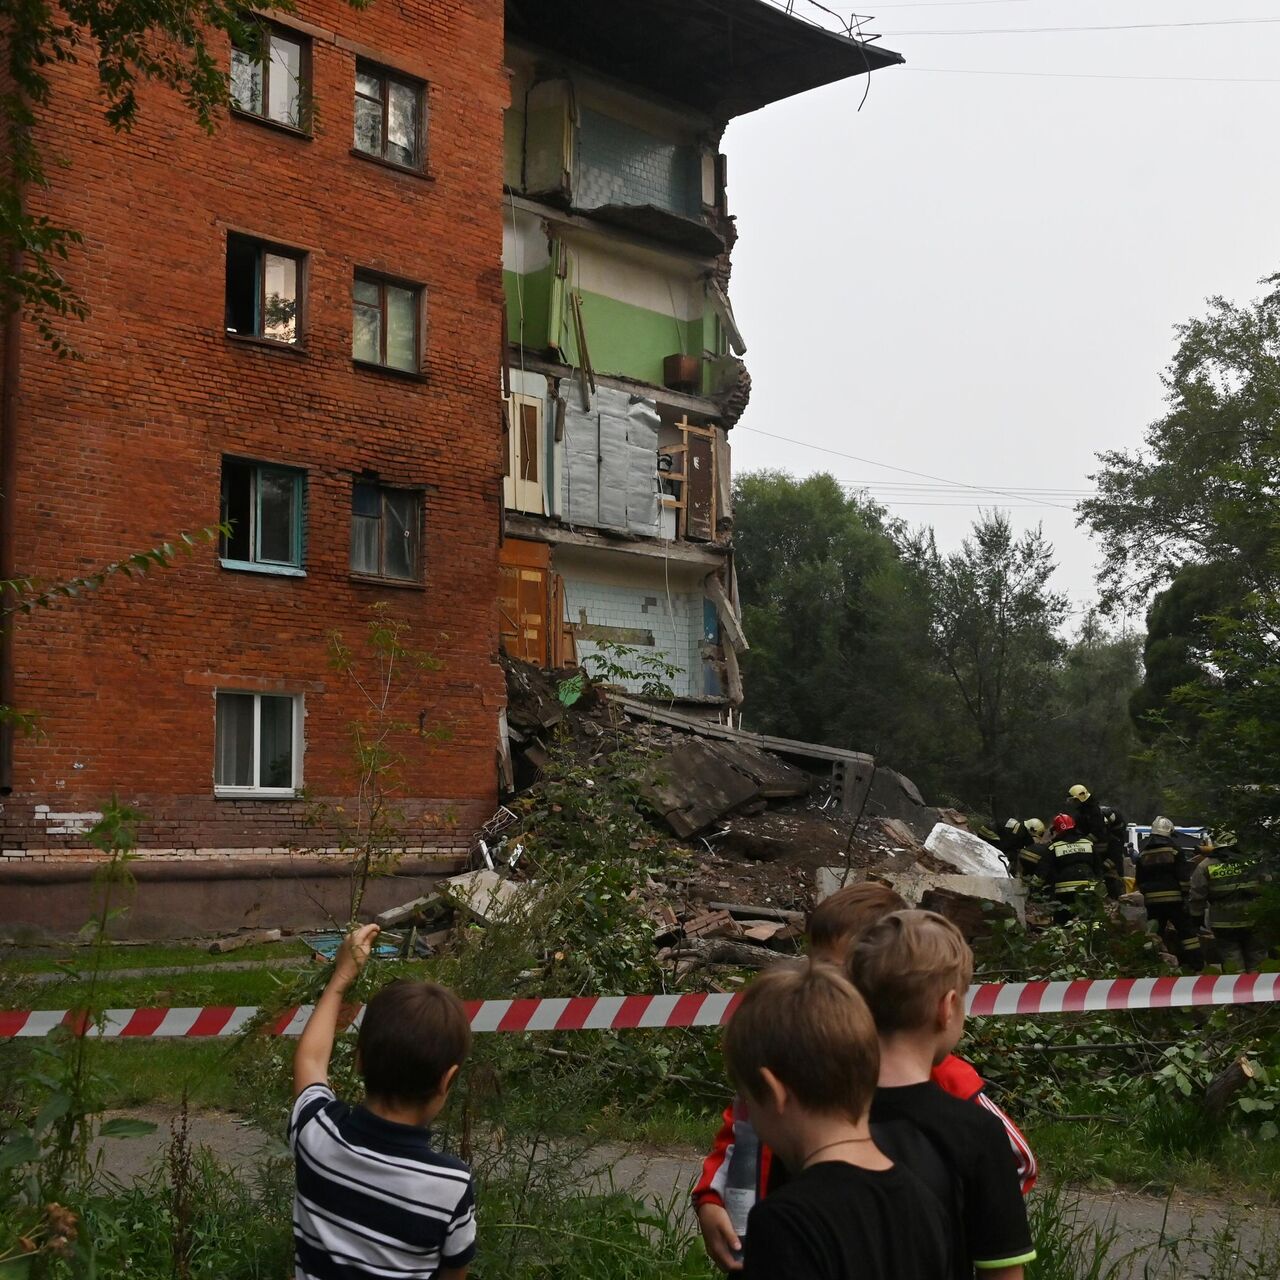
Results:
x,y
383,282
297,567
300,258
305,83
381,577
387,76
232,791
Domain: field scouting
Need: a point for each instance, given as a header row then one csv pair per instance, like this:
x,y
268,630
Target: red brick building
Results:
x,y
295,325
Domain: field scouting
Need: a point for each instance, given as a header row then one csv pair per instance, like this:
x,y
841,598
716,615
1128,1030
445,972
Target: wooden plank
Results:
x,y
727,614
762,913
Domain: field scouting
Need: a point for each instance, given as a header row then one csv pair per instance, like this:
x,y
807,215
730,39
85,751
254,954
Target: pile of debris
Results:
x,y
771,824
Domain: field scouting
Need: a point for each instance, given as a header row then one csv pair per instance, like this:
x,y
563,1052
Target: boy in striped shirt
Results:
x,y
373,1199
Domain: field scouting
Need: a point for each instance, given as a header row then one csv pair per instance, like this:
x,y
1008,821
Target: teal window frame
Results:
x,y
294,567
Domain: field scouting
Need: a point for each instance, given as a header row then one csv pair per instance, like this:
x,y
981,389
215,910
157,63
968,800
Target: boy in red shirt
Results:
x,y
834,926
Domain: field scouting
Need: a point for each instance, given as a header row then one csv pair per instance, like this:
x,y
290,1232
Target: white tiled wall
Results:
x,y
676,628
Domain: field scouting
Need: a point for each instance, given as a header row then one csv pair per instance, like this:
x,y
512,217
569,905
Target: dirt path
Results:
x,y
1138,1222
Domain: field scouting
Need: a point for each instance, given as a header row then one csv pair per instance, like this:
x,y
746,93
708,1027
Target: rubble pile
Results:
x,y
765,826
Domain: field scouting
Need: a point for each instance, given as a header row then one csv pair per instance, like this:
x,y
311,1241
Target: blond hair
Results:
x,y
838,921
904,965
813,1031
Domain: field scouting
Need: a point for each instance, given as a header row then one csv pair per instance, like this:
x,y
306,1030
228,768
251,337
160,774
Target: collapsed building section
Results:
x,y
624,373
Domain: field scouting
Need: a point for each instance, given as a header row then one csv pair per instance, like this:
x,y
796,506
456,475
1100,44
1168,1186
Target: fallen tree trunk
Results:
x,y
1222,1088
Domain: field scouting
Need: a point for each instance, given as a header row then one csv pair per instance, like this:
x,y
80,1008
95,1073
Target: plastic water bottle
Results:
x,y
742,1179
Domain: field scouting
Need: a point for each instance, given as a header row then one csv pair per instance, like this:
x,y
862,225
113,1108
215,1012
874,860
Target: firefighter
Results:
x,y
1161,881
1031,852
1225,886
1114,825
1086,813
1072,866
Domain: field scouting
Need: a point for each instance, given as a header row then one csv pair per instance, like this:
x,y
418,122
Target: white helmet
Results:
x,y
1162,827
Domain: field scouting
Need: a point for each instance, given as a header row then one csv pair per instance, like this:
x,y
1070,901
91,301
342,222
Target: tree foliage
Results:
x,y
954,668
1203,489
994,627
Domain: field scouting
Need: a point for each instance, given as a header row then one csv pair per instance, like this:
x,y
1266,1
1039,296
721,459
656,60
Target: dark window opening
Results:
x,y
263,290
264,507
385,526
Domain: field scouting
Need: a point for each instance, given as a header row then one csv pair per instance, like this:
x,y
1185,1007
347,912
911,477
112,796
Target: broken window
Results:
x,y
273,87
385,322
385,526
257,747
263,290
263,506
390,116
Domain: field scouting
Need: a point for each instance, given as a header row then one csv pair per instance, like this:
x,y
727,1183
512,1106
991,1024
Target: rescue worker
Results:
x,y
1225,886
1114,825
1031,852
1160,875
1086,813
1072,866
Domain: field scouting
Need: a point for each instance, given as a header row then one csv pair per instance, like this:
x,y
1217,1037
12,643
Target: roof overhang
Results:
x,y
722,57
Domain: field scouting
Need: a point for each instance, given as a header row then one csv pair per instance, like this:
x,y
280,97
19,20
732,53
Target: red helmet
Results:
x,y
1062,823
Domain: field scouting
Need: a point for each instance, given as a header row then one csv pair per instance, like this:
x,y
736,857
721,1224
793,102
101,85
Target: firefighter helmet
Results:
x,y
1079,792
1062,823
1162,827
1035,826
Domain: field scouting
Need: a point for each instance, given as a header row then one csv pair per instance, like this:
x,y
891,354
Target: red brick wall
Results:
x,y
124,449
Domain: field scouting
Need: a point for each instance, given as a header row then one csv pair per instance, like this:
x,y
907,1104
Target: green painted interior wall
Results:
x,y
629,340
533,290
623,339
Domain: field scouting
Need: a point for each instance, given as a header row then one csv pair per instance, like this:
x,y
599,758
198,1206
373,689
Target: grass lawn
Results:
x,y
15,959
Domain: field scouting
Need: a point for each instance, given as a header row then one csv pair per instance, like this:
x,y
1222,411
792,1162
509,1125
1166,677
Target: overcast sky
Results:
x,y
977,276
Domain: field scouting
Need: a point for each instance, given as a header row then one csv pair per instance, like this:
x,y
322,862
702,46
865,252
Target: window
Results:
x,y
274,88
264,285
385,524
390,116
263,505
258,746
384,323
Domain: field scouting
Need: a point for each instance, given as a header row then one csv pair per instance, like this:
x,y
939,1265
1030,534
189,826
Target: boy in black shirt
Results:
x,y
801,1049
913,969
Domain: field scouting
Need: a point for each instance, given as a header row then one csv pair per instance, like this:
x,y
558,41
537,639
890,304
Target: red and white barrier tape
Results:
x,y
618,1013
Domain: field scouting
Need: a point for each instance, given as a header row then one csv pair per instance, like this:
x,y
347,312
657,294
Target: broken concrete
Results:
x,y
1003,890
967,853
486,896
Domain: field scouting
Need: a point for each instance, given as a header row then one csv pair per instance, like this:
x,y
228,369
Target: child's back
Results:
x,y
961,1154
373,1201
837,1221
373,1198
913,969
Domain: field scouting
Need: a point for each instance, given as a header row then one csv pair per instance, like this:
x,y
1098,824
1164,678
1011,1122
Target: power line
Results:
x,y
1086,75
1125,26
906,471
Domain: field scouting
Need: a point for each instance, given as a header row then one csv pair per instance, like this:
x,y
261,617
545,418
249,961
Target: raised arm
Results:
x,y
315,1046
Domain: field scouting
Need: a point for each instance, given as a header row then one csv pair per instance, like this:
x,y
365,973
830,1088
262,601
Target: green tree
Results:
x,y
1203,489
994,629
174,43
1090,737
838,623
1179,634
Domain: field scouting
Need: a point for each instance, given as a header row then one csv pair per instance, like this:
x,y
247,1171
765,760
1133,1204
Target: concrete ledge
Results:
x,y
173,899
